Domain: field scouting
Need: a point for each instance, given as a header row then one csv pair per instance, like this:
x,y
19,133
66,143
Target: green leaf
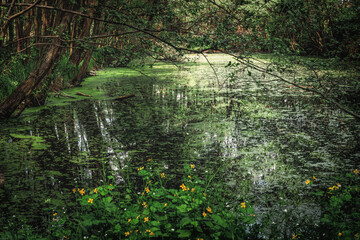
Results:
x,y
185,221
182,208
209,224
153,209
155,223
320,193
184,233
218,220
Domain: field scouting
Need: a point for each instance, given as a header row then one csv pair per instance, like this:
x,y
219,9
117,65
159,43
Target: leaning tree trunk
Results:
x,y
22,92
78,79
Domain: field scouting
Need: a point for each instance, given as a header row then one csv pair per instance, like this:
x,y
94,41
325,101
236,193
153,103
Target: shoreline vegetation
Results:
x,y
196,209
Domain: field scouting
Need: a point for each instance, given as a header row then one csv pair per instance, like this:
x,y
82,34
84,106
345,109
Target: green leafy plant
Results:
x,y
193,210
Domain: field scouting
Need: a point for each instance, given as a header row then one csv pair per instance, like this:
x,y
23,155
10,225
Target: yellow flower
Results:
x,y
146,219
149,159
340,234
183,187
163,175
204,194
65,237
165,204
144,204
74,190
243,205
82,191
193,189
55,214
129,220
151,233
91,200
314,178
209,210
356,171
307,181
189,176
137,217
192,166
204,214
294,236
127,234
95,190
253,215
147,190
141,168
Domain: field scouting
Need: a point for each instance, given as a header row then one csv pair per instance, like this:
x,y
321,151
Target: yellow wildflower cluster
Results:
x,y
163,175
184,188
150,232
209,210
127,234
81,191
204,214
356,171
336,187
308,180
293,236
91,200
147,190
192,166
165,204
146,219
243,205
144,204
95,190
141,168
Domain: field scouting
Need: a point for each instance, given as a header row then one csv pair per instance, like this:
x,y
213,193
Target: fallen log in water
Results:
x,y
125,97
82,94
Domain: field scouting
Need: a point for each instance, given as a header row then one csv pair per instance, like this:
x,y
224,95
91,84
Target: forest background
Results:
x,y
47,46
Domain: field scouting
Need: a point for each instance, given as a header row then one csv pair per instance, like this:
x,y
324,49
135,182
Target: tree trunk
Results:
x,y
76,81
86,26
22,92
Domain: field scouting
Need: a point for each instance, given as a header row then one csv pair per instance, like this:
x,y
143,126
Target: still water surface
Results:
x,y
257,138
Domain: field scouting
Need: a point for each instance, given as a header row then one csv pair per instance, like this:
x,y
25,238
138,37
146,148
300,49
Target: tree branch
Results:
x,y
322,95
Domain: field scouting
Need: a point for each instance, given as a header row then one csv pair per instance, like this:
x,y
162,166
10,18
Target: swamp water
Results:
x,y
261,140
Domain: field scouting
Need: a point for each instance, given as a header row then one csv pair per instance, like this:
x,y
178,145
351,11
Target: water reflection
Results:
x,y
262,141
